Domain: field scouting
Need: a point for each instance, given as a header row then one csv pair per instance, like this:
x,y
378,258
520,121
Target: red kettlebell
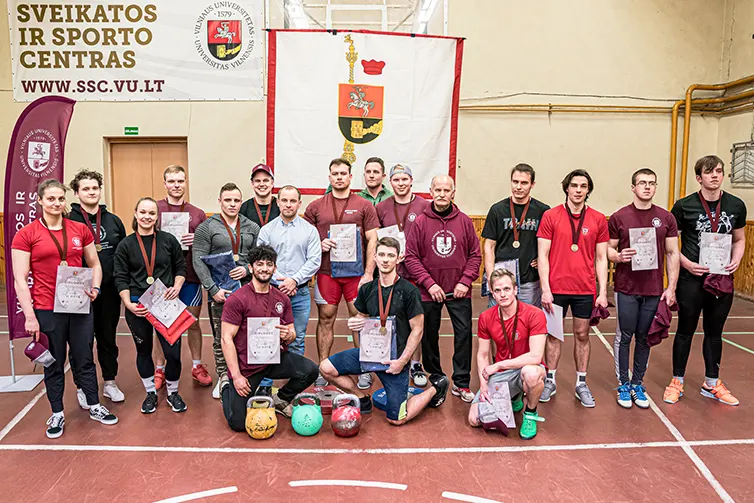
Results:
x,y
346,415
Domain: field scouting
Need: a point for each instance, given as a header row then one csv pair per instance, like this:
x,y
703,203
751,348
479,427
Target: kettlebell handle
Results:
x,y
297,400
259,398
346,396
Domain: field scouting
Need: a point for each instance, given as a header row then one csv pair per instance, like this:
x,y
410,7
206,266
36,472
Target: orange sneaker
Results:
x,y
159,378
719,393
200,375
674,391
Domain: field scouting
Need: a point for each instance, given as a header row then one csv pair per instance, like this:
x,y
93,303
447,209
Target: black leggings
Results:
x,y
692,301
142,332
635,315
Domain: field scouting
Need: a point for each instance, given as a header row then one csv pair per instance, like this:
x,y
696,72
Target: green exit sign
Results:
x,y
131,130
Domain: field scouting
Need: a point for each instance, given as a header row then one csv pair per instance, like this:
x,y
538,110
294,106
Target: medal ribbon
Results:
x,y
148,263
517,224
259,212
508,341
575,231
235,241
63,252
401,222
95,234
385,310
339,217
713,221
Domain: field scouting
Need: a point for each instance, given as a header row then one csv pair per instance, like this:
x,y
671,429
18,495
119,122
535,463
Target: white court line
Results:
x,y
467,497
199,495
350,483
683,443
743,348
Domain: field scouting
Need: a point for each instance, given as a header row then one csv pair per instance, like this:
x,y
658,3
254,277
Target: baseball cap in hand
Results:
x,y
38,351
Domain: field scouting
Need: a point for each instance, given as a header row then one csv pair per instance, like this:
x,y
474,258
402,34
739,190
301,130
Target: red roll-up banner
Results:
x,y
35,154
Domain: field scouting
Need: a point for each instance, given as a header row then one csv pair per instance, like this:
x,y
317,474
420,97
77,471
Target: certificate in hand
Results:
x,y
262,340
393,232
177,224
644,241
374,347
555,322
220,265
345,237
500,395
71,285
715,251
166,311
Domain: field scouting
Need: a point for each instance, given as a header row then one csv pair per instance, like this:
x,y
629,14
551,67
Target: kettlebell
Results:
x,y
261,422
307,418
346,415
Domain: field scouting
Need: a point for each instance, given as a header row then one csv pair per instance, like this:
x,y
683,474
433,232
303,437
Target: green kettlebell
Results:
x,y
307,418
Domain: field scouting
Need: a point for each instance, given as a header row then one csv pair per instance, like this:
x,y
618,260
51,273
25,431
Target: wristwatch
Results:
x,y
99,290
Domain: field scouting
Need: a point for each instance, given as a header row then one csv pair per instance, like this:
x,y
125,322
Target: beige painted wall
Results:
x,y
642,48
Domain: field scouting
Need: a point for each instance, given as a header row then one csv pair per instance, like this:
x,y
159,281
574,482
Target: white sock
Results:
x,y
551,374
172,386
710,382
196,362
149,384
680,378
160,367
580,378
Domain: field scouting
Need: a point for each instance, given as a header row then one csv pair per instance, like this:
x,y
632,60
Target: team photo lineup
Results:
x,y
395,258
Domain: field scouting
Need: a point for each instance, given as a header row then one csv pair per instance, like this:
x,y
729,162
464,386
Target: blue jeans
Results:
x,y
301,306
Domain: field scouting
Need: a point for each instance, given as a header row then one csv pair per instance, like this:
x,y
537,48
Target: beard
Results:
x,y
261,279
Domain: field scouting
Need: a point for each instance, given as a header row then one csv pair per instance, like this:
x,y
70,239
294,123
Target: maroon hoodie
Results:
x,y
443,251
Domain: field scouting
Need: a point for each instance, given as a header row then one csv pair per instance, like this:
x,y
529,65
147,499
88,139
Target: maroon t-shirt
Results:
x,y
196,216
247,303
358,211
386,211
650,282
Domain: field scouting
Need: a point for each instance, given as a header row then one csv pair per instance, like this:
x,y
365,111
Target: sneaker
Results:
x,y
81,397
101,414
55,426
264,391
549,390
321,382
441,384
365,381
624,396
282,407
719,393
159,378
673,392
584,394
110,390
529,425
418,375
464,394
517,403
149,404
639,396
366,407
177,403
200,375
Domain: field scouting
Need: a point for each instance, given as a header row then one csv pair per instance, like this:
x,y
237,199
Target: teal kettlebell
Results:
x,y
307,418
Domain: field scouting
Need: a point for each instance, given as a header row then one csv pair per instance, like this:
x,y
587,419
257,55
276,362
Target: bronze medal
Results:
x,y
149,264
98,247
235,239
383,330
714,227
516,244
575,230
235,257
384,309
150,280
63,263
517,223
62,251
574,247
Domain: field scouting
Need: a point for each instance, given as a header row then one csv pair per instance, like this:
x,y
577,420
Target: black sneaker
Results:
x,y
55,426
149,404
101,414
441,384
418,375
366,405
177,403
264,391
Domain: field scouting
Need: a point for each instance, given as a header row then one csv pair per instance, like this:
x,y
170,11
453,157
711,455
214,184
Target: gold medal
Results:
x,y
63,263
574,247
98,247
383,330
235,257
516,244
150,280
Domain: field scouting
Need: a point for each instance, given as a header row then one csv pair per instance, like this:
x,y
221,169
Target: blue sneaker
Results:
x,y
638,395
624,396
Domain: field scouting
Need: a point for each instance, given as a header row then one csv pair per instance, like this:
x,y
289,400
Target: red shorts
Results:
x,y
329,290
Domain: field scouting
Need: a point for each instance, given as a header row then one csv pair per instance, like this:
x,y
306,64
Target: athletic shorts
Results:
x,y
512,377
581,305
329,290
191,294
396,385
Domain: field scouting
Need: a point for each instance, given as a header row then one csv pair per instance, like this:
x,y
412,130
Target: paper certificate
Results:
x,y
555,322
644,241
177,224
167,311
262,341
393,232
345,237
509,265
500,395
71,285
714,251
375,347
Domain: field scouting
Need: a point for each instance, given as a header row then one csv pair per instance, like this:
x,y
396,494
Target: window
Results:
x,y
742,164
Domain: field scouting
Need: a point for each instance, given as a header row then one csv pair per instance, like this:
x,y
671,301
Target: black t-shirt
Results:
x,y
692,221
249,210
406,304
499,227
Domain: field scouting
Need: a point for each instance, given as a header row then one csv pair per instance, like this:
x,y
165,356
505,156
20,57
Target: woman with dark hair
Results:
x,y
40,248
140,259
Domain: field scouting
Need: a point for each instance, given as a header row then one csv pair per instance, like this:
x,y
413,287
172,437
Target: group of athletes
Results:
x,y
535,258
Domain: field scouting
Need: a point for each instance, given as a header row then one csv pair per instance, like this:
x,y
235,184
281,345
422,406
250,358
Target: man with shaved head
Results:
x,y
443,257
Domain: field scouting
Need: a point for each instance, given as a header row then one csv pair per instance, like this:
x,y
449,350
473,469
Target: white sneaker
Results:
x,y
100,413
55,426
110,390
216,390
365,381
81,397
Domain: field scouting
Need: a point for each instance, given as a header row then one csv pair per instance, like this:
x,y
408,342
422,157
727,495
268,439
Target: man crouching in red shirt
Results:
x,y
519,331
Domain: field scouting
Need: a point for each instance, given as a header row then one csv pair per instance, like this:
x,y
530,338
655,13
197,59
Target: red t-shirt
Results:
x,y
196,216
45,258
572,273
647,282
531,321
358,211
247,303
